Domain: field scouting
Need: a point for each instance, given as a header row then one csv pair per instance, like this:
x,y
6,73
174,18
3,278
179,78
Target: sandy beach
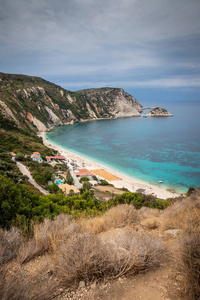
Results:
x,y
120,180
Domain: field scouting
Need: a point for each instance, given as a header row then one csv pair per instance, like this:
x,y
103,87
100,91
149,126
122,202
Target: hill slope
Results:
x,y
36,104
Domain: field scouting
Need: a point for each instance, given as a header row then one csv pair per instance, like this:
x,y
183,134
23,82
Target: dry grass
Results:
x,y
181,215
188,265
118,216
19,285
86,257
10,242
185,215
151,223
47,237
189,262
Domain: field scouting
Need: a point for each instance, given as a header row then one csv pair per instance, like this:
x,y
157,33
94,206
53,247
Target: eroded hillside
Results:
x,y
36,104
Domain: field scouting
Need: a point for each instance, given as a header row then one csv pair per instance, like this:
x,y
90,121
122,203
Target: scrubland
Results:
x,y
66,253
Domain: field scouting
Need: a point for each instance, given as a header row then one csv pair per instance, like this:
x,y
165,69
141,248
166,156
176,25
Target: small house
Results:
x,y
36,157
13,155
53,158
66,188
84,173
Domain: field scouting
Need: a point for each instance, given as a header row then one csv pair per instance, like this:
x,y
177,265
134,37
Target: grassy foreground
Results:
x,y
65,252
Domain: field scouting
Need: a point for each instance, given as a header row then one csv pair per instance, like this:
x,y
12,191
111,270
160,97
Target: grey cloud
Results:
x,y
131,37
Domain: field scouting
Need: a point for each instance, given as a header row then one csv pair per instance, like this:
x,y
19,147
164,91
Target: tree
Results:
x,y
95,177
83,179
71,193
69,179
87,185
48,175
19,157
104,182
39,179
53,188
15,199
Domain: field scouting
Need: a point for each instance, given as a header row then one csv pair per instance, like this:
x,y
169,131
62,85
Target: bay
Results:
x,y
150,149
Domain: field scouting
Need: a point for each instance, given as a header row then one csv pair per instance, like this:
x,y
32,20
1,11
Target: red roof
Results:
x,y
12,153
84,172
36,153
55,157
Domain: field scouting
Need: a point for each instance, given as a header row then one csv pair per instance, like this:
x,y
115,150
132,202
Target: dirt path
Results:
x,y
153,285
24,171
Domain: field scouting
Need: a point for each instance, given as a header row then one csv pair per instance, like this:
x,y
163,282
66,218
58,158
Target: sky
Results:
x,y
150,48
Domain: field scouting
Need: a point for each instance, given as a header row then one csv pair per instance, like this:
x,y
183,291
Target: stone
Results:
x,y
173,232
81,284
93,286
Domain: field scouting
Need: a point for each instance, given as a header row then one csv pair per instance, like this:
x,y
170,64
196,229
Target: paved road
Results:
x,y
24,171
76,181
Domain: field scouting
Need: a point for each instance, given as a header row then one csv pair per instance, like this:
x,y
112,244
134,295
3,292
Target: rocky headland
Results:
x,y
37,105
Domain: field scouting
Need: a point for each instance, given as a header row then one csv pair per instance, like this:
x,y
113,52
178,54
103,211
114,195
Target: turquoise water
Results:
x,y
58,182
150,149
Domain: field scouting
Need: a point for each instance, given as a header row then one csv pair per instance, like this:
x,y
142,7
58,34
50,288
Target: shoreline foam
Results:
x,y
132,184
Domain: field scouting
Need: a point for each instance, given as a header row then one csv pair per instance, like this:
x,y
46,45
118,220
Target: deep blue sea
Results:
x,y
150,149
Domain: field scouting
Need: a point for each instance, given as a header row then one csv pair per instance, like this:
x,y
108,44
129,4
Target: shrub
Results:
x,y
85,257
47,236
39,179
183,215
83,179
190,265
86,185
118,216
190,191
53,188
69,179
10,242
20,285
19,157
104,182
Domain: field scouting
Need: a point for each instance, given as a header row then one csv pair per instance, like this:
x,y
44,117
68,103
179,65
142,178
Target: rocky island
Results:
x,y
159,112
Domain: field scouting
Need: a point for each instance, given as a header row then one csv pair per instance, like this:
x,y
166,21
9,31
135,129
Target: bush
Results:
x,y
83,179
39,179
118,216
190,265
47,237
104,182
86,257
69,179
20,157
53,188
190,191
20,285
10,242
86,185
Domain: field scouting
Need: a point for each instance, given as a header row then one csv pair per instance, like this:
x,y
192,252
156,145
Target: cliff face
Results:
x,y
159,112
36,104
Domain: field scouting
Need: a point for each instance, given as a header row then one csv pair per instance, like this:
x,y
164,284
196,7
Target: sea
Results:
x,y
151,149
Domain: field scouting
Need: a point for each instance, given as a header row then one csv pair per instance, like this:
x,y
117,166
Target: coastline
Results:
x,y
132,184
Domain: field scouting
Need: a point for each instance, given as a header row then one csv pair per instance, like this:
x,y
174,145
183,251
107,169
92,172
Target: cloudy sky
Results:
x,y
151,48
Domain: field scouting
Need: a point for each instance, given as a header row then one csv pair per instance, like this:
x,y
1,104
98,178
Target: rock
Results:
x,y
173,232
81,284
159,112
93,286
